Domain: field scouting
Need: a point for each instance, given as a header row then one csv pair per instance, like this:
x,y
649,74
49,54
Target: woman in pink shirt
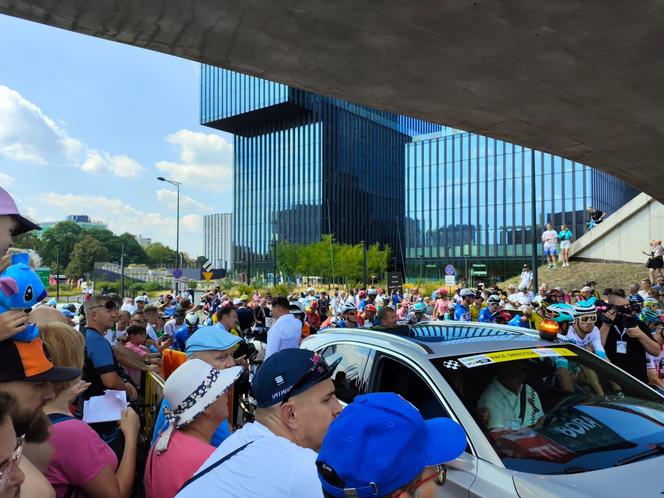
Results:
x,y
83,465
197,393
136,342
442,305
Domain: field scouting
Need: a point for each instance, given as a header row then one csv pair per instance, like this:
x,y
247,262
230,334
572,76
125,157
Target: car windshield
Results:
x,y
557,410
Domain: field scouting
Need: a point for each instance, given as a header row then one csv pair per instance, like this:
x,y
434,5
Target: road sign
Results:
x,y
207,275
430,266
450,280
207,266
216,274
177,273
478,270
44,275
449,270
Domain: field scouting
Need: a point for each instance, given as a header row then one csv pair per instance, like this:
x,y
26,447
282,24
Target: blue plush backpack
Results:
x,y
21,289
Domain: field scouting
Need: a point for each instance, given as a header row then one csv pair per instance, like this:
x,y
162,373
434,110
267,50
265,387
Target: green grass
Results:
x,y
613,275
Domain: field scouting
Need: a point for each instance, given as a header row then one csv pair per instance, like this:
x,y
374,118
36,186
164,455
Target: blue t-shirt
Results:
x,y
180,338
99,351
486,316
219,435
462,313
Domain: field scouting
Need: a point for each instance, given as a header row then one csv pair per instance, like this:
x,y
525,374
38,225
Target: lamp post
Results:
x,y
177,227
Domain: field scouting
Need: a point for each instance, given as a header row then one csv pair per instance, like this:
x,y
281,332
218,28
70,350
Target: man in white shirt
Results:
x,y
509,403
524,297
275,456
550,240
129,305
286,331
526,277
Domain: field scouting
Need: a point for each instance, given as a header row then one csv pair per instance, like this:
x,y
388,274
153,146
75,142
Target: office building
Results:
x,y
218,240
305,165
469,203
82,220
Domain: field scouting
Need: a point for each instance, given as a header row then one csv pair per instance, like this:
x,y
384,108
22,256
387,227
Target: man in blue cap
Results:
x,y
214,346
381,446
275,456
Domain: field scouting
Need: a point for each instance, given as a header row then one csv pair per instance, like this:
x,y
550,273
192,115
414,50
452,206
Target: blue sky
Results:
x,y
86,126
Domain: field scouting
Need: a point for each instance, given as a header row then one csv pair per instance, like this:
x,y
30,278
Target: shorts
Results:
x,y
565,244
550,251
655,263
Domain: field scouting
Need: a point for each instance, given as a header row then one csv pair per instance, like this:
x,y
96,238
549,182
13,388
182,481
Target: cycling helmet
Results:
x,y
314,305
560,312
493,299
650,316
635,299
348,307
192,319
650,302
420,307
296,308
467,293
372,292
585,307
442,291
370,308
362,294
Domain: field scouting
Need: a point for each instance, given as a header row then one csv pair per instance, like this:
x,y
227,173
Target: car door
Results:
x,y
351,375
392,373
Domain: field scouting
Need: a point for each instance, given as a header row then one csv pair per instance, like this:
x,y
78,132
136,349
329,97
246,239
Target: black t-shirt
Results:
x,y
632,362
597,215
245,317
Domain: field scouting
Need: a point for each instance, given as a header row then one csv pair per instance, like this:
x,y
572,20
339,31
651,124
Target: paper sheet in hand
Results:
x,y
106,408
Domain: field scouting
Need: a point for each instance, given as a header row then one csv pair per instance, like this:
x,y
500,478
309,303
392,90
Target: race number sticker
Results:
x,y
513,355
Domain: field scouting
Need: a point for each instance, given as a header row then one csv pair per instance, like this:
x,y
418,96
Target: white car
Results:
x,y
596,431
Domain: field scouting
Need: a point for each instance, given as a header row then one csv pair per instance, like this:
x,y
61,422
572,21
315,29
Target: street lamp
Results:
x,y
177,227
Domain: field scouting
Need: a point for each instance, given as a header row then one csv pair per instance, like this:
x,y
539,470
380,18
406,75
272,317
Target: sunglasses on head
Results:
x,y
109,305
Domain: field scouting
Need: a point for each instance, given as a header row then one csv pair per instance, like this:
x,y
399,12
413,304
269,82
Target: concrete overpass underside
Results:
x,y
583,79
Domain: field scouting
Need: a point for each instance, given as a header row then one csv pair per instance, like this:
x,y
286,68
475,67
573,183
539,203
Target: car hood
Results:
x,y
642,479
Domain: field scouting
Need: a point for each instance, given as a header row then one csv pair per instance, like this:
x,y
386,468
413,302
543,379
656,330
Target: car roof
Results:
x,y
445,339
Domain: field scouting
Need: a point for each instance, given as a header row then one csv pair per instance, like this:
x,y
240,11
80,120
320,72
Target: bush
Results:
x,y
279,290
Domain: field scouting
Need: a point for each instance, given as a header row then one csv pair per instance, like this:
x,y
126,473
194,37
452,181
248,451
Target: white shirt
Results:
x,y
170,327
524,298
550,237
284,334
151,333
592,339
505,406
270,467
526,278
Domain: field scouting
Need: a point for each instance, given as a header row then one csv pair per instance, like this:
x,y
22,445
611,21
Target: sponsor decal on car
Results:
x,y
513,355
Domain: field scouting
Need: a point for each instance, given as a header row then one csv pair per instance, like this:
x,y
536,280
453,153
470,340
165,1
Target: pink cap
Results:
x,y
8,207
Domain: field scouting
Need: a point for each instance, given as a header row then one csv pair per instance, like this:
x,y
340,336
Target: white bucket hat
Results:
x,y
190,390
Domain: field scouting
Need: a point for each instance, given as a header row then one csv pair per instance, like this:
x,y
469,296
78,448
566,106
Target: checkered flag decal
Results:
x,y
452,364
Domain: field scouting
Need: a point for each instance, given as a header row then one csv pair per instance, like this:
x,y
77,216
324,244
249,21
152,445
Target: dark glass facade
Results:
x,y
306,165
469,201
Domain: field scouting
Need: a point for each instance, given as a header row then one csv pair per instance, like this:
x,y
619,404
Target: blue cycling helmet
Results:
x,y
560,312
651,316
420,307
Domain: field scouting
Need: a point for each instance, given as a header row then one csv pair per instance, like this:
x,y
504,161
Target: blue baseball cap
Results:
x,y
210,338
380,442
287,373
67,313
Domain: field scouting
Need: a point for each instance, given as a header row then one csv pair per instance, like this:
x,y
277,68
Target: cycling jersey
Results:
x,y
486,316
462,313
593,339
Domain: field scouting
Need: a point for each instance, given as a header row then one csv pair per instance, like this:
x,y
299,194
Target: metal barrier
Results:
x,y
154,393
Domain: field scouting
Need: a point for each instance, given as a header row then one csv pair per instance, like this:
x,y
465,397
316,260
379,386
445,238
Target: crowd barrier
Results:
x,y
154,392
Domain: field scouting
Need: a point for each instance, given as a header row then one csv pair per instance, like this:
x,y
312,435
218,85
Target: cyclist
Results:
x,y
348,317
488,313
369,316
583,331
190,326
477,306
462,308
418,314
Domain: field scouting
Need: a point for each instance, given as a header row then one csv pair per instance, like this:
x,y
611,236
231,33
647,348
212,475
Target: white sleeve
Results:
x,y
597,341
304,482
273,336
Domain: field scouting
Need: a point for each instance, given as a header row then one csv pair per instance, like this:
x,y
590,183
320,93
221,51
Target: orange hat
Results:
x,y
28,361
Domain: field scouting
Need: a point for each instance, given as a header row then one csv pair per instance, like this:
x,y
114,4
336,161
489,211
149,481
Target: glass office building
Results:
x,y
469,203
306,165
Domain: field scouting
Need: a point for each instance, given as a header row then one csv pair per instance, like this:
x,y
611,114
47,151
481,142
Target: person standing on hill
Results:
x,y
565,237
550,239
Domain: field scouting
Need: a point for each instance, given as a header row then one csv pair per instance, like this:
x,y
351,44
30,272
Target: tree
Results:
x,y
60,239
28,240
160,255
85,254
134,253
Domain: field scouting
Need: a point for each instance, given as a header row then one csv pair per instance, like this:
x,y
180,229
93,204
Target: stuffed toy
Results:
x,y
21,289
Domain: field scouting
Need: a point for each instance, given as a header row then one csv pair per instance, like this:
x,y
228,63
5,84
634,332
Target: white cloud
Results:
x,y
6,180
121,217
206,160
27,134
169,198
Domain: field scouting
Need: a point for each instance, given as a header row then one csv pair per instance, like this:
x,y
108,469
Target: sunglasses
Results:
x,y
588,318
319,367
12,463
109,305
438,477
